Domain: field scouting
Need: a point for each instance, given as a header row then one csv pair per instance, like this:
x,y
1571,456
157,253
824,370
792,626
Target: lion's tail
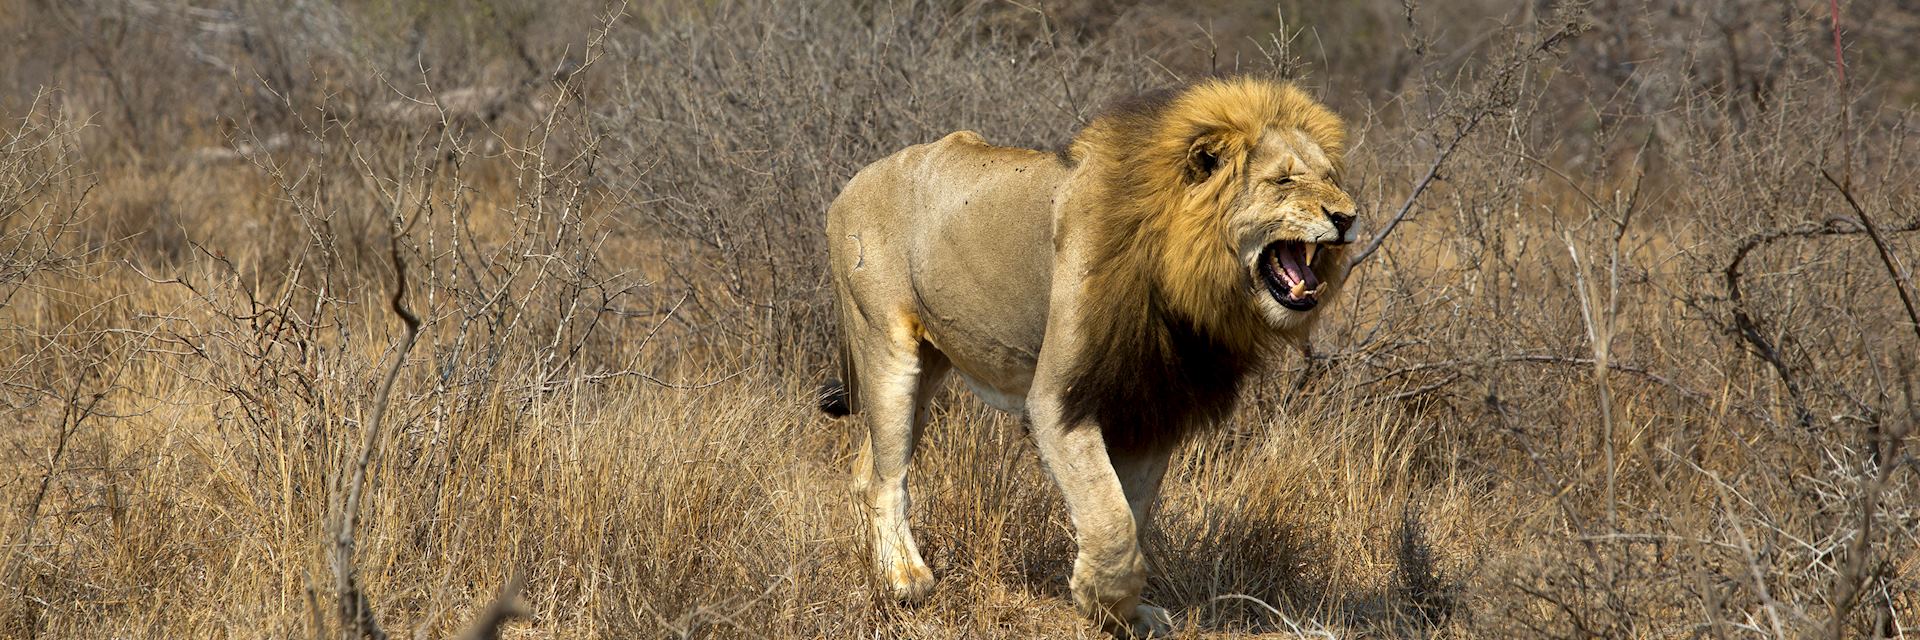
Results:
x,y
836,397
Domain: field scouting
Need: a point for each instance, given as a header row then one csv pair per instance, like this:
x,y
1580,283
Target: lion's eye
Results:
x,y
1284,181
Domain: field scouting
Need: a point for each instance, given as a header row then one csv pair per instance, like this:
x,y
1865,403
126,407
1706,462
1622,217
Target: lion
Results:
x,y
1116,294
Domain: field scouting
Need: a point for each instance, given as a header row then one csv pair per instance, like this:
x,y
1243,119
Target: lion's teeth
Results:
x,y
1299,290
1311,249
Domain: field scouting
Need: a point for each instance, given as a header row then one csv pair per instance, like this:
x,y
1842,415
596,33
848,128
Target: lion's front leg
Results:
x,y
1140,472
1109,570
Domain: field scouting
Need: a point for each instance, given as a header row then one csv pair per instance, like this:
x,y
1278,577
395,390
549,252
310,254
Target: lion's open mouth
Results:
x,y
1285,267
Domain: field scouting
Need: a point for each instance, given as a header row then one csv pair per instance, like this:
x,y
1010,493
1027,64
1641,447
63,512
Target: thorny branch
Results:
x,y
1850,582
1749,330
505,606
356,612
1900,282
1490,100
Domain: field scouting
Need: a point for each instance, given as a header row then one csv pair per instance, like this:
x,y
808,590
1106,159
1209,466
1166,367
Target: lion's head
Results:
x,y
1216,221
1228,192
1292,222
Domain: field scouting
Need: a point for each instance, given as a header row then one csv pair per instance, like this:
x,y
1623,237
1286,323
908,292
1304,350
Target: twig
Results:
x,y
1748,329
594,378
356,612
1611,366
1414,393
1848,582
505,606
1840,78
1768,604
1546,358
1849,579
1296,627
1600,339
1053,44
1900,282
1433,171
1487,105
72,416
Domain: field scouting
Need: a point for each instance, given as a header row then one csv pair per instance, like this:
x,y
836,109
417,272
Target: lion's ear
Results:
x,y
1205,155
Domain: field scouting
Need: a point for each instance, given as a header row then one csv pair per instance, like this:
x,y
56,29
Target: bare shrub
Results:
x,y
1635,360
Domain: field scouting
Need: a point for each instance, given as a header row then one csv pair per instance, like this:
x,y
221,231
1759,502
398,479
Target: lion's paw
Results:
x,y
1147,622
1151,622
910,582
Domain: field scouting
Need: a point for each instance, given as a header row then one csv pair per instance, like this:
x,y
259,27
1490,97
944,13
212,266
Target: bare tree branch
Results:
x,y
1900,282
1490,98
355,609
506,606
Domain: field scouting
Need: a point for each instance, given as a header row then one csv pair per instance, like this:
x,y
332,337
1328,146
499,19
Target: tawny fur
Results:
x,y
1171,298
1111,294
1151,223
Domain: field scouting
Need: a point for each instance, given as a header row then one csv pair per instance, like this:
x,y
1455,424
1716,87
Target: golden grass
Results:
x,y
612,393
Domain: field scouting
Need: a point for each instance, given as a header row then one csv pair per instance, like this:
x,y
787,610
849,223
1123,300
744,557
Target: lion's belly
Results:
x,y
989,319
996,359
1010,401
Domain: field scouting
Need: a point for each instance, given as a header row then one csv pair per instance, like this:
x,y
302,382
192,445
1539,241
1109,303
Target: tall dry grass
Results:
x,y
1629,365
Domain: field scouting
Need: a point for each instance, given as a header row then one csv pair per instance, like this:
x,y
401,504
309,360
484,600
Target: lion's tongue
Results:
x,y
1293,260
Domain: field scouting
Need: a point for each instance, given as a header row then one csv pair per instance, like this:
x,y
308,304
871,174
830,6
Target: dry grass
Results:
x,y
1631,367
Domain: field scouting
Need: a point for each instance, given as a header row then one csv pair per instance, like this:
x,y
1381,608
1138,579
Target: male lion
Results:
x,y
1118,296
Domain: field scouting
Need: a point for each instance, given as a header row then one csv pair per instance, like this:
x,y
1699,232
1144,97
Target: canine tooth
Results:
x,y
1299,289
1312,248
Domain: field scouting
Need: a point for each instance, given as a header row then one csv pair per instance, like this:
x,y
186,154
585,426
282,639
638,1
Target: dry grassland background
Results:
x,y
1640,361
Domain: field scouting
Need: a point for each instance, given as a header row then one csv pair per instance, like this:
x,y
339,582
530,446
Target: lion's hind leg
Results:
x,y
896,384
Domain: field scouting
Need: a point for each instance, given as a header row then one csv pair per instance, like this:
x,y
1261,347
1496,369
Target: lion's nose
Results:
x,y
1341,221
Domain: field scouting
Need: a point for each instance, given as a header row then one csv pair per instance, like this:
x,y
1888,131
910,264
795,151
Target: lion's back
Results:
x,y
958,190
941,177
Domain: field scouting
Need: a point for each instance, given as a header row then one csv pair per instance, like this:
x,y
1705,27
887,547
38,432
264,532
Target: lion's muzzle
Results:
x,y
1342,224
1286,267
